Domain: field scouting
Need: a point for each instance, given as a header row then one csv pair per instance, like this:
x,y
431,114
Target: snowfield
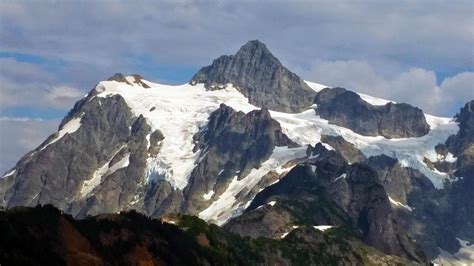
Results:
x,y
306,128
225,206
178,112
181,111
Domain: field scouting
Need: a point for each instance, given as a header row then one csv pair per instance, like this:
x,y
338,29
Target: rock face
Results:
x,y
233,144
101,167
56,170
345,148
118,188
462,144
114,151
260,77
461,199
334,193
403,184
424,212
393,120
421,211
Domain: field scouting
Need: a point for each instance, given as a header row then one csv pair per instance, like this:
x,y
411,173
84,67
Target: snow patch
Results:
x,y
272,203
450,158
373,100
339,177
327,146
208,195
147,137
122,163
70,127
103,171
131,79
323,227
12,172
369,99
92,183
399,204
135,200
223,208
316,86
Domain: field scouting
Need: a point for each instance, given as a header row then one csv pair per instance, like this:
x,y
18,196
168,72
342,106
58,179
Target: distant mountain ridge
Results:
x,y
238,136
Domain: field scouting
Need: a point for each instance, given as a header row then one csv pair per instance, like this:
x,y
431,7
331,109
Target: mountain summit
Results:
x,y
260,76
242,146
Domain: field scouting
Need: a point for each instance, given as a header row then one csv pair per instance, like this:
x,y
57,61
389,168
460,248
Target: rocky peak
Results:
x,y
138,79
135,78
119,77
392,120
254,50
234,144
465,136
260,76
461,145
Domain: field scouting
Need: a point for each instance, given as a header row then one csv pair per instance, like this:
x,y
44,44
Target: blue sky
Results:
x,y
53,52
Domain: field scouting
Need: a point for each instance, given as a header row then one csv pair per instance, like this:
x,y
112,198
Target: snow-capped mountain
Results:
x,y
241,132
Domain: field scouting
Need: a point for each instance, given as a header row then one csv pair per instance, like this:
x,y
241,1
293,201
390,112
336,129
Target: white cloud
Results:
x,y
62,96
25,84
459,88
430,33
21,135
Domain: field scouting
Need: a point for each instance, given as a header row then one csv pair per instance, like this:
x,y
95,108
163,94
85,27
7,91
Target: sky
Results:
x,y
54,52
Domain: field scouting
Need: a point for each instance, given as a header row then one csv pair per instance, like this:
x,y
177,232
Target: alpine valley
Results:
x,y
247,164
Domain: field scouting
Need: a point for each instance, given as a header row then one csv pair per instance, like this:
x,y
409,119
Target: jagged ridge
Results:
x,y
125,146
260,77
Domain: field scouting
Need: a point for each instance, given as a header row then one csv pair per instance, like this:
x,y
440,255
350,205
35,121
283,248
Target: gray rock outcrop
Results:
x,y
55,172
337,194
460,213
393,120
66,172
233,143
260,76
345,148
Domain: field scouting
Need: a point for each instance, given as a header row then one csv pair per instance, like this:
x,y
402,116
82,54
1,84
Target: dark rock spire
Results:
x,y
260,77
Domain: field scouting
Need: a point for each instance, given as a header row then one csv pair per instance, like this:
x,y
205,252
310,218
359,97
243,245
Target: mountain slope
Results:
x,y
327,191
260,77
208,148
44,236
391,120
